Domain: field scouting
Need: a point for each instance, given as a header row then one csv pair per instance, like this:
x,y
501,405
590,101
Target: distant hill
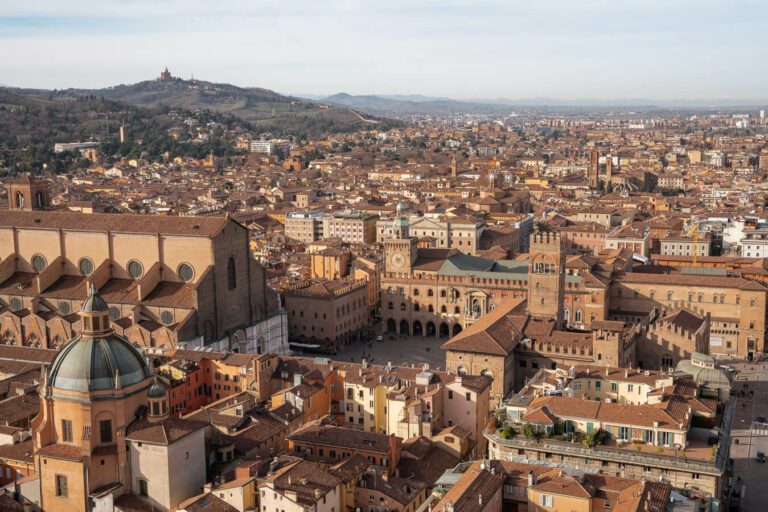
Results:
x,y
262,108
29,117
380,105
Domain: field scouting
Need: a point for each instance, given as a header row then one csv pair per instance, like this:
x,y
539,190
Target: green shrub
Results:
x,y
595,438
528,431
508,433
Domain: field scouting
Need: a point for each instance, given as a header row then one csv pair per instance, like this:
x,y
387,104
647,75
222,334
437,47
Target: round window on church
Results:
x,y
186,272
86,266
15,304
166,317
39,263
135,269
64,308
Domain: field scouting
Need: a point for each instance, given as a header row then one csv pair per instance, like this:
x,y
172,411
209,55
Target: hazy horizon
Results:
x,y
703,50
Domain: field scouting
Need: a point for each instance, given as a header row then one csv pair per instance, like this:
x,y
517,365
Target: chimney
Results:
x,y
208,487
531,479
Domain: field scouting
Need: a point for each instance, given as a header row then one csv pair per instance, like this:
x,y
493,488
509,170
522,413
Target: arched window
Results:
x,y
416,306
39,199
430,293
487,373
402,306
443,309
443,293
231,274
391,305
416,292
577,316
461,370
19,200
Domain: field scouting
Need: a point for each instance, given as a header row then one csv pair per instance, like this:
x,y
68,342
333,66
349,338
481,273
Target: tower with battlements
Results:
x,y
546,276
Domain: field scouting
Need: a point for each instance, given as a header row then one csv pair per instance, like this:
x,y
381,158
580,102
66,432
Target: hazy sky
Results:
x,y
570,49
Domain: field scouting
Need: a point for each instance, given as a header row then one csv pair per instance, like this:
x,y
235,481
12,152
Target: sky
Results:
x,y
568,49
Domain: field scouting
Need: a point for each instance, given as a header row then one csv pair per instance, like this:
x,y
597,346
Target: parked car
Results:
x,y
760,457
727,368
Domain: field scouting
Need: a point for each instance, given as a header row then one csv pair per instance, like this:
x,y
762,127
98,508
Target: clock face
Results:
x,y
397,260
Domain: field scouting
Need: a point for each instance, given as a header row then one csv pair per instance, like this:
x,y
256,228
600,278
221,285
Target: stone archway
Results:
x,y
391,325
456,329
430,330
417,329
404,327
444,330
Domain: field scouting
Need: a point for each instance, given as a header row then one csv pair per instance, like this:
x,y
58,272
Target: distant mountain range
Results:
x,y
416,104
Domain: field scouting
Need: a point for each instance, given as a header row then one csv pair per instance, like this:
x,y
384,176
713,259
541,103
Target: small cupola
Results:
x,y
94,315
157,401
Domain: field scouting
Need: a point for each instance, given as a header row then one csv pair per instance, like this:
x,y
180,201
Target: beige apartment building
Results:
x,y
169,280
350,227
305,227
679,245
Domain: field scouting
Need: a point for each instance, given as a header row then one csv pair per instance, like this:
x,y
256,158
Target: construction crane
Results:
x,y
694,233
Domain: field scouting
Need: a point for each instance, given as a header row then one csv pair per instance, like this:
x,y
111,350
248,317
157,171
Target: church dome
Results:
x,y
97,359
97,364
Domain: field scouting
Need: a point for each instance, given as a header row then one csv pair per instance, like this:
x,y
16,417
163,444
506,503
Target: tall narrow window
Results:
x,y
66,431
61,486
231,274
105,431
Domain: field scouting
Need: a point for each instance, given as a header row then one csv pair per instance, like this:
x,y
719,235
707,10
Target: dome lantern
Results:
x,y
94,315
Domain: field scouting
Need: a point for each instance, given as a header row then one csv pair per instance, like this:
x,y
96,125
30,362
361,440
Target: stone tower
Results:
x,y
546,276
28,193
594,167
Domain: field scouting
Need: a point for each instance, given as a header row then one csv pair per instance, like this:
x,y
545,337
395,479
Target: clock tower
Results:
x,y
400,255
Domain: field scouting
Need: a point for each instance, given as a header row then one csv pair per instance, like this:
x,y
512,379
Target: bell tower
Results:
x,y
546,276
28,193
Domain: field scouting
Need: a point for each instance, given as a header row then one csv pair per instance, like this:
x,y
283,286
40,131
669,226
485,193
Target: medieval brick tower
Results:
x,y
594,167
28,193
546,276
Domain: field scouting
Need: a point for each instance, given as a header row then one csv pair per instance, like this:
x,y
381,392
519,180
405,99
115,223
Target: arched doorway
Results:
x,y
417,330
404,329
456,329
391,325
430,329
444,330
